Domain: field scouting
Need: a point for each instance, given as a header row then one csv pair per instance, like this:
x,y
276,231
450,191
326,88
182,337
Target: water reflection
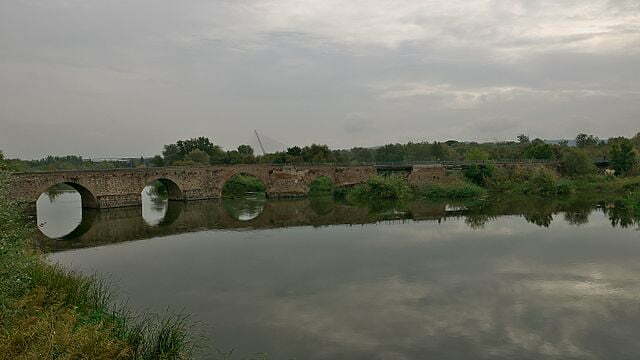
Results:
x,y
155,204
515,285
245,208
59,211
63,218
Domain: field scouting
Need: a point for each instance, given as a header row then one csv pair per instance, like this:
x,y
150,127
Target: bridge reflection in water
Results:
x,y
74,227
65,225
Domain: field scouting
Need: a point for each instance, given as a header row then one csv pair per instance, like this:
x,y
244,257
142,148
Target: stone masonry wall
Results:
x,y
426,174
123,187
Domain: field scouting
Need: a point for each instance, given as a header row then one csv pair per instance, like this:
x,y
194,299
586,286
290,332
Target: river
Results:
x,y
316,279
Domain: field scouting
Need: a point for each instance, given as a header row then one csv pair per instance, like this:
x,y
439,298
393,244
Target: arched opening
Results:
x,y
244,197
160,204
59,209
244,186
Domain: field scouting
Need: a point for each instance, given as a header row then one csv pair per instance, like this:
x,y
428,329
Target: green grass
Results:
x,y
47,312
458,190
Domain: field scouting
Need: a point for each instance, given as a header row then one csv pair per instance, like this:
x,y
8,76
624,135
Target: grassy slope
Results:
x,y
49,313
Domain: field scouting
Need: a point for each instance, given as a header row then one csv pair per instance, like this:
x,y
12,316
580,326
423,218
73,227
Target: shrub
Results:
x,y
381,188
321,186
538,150
623,156
543,182
479,174
241,184
576,162
564,187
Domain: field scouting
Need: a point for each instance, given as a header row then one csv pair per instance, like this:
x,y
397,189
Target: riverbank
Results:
x,y
484,184
49,312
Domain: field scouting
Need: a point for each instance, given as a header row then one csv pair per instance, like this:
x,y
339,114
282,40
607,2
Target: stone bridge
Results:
x,y
100,189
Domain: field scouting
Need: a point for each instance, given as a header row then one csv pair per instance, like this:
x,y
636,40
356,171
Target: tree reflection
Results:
x,y
322,205
621,214
245,208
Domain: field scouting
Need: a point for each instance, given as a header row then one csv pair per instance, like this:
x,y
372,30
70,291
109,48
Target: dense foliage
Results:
x,y
623,156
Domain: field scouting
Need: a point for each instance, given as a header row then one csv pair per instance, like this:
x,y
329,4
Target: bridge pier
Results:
x,y
117,201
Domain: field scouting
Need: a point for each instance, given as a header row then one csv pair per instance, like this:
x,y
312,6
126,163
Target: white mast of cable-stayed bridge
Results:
x,y
268,144
259,141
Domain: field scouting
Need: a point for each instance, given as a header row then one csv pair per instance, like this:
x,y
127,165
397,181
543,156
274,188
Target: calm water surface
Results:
x,y
312,279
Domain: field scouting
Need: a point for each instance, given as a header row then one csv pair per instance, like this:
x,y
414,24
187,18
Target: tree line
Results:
x,y
622,152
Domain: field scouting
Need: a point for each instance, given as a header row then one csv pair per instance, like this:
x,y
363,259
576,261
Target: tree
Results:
x,y
523,139
636,140
584,140
294,151
233,157
316,153
390,153
623,156
3,163
575,162
439,151
157,161
363,155
198,156
245,150
479,174
180,150
538,150
476,154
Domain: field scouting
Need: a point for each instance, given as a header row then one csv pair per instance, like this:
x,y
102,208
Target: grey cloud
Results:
x,y
153,71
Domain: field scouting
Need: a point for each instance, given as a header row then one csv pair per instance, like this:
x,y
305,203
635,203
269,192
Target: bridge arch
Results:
x,y
174,191
228,180
161,201
89,200
64,210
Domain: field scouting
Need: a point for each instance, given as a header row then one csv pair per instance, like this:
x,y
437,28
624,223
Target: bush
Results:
x,y
479,174
543,182
321,186
576,162
241,184
381,188
565,187
623,156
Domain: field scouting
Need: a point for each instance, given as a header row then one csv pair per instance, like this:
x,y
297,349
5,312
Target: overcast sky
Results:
x,y
124,77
